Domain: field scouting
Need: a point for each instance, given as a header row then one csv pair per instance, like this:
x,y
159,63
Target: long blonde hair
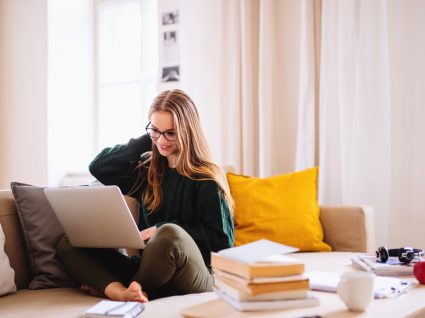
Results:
x,y
194,159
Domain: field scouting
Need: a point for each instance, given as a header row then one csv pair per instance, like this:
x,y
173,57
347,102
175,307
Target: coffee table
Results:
x,y
410,304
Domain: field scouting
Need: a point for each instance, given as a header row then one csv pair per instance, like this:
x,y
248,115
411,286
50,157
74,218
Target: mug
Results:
x,y
356,289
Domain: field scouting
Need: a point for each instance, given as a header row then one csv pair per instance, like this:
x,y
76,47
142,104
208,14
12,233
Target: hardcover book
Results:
x,y
256,280
263,288
241,295
279,265
309,301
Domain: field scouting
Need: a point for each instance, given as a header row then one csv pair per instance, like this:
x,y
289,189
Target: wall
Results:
x,y
23,88
407,60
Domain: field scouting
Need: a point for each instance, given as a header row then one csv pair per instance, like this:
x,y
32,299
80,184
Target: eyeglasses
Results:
x,y
155,133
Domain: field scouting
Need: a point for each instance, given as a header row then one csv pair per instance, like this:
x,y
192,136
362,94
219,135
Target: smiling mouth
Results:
x,y
164,147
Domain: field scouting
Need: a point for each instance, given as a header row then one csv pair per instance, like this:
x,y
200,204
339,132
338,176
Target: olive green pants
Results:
x,y
170,264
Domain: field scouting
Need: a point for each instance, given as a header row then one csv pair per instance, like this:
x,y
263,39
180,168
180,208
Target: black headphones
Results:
x,y
404,254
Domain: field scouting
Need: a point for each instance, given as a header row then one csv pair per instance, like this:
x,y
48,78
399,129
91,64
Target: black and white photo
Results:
x,y
170,17
170,74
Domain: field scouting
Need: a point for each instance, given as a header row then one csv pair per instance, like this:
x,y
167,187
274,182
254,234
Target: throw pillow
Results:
x,y
42,231
281,208
7,274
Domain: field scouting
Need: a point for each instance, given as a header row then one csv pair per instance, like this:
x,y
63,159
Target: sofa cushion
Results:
x,y
282,208
72,303
42,231
7,274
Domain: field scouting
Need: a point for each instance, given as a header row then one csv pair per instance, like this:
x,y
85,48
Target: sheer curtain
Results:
x,y
262,75
355,111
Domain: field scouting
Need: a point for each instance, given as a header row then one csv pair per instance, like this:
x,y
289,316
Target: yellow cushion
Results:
x,y
281,208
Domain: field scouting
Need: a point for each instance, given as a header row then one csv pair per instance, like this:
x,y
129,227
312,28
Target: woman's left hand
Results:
x,y
148,233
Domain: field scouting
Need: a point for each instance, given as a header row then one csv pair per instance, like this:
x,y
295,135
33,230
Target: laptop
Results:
x,y
95,217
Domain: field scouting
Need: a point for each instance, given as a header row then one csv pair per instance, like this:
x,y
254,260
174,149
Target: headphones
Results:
x,y
404,254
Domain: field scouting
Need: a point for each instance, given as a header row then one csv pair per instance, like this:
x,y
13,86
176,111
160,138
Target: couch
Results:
x,y
346,229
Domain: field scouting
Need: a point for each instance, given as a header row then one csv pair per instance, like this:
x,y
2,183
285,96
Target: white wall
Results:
x,y
23,91
406,24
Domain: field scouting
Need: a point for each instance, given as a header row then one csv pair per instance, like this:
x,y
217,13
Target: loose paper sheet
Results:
x,y
260,250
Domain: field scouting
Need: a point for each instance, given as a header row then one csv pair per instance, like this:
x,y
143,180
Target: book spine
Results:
x,y
256,289
230,266
271,271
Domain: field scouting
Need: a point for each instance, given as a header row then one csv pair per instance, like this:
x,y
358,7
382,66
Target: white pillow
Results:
x,y
7,274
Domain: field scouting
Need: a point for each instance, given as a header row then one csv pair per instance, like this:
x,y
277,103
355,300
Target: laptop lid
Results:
x,y
95,217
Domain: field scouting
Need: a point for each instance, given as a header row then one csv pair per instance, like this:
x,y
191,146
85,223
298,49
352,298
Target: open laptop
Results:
x,y
95,217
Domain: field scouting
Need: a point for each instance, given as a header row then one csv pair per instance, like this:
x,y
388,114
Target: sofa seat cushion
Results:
x,y
71,302
51,302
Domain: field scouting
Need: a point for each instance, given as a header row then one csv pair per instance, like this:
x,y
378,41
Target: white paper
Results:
x,y
258,251
385,287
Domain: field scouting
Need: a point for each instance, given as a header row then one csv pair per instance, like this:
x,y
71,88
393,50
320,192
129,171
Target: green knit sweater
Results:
x,y
197,206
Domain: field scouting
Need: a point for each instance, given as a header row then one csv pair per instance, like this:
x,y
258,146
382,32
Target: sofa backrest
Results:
x,y
14,244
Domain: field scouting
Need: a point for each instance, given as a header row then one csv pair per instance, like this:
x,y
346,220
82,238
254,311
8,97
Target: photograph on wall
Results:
x,y
170,17
170,74
170,38
170,48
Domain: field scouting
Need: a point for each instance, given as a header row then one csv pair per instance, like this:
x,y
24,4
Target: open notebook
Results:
x,y
385,287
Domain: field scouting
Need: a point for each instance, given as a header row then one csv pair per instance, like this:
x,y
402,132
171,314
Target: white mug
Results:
x,y
356,289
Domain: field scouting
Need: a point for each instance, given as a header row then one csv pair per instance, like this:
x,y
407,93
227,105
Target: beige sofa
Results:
x,y
346,229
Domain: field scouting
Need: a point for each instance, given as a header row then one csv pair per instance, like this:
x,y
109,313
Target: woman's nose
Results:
x,y
161,139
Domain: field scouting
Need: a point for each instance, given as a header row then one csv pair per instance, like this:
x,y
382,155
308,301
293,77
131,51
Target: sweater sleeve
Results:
x,y
215,230
117,165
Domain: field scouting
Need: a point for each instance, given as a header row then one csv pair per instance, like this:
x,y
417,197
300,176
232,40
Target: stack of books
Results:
x,y
274,283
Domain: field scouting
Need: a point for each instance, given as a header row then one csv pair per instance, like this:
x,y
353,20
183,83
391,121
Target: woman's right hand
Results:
x,y
148,233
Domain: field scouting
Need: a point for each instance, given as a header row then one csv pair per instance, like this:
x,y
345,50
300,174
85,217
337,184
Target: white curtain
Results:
x,y
260,83
355,112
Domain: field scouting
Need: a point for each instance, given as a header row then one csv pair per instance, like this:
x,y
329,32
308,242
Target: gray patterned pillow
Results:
x,y
42,231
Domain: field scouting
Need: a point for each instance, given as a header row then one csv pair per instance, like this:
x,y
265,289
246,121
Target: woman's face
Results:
x,y
163,122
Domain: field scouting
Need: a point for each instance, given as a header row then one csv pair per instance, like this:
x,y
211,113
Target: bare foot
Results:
x,y
90,290
117,291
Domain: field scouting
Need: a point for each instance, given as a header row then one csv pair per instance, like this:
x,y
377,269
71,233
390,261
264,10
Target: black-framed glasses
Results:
x,y
170,135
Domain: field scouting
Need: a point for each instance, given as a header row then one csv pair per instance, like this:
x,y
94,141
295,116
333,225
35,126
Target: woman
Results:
x,y
185,209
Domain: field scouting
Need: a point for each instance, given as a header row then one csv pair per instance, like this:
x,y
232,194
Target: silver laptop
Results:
x,y
95,217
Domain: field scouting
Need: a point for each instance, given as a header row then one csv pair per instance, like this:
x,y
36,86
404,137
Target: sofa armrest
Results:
x,y
348,228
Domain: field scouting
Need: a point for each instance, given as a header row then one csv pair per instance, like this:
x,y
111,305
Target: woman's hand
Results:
x,y
148,233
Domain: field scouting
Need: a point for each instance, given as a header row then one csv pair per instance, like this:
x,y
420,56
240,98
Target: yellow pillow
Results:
x,y
281,208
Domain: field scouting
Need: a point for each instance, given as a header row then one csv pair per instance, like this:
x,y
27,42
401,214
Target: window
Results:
x,y
127,68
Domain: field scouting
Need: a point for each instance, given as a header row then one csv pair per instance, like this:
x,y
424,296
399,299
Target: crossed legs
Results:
x,y
171,264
